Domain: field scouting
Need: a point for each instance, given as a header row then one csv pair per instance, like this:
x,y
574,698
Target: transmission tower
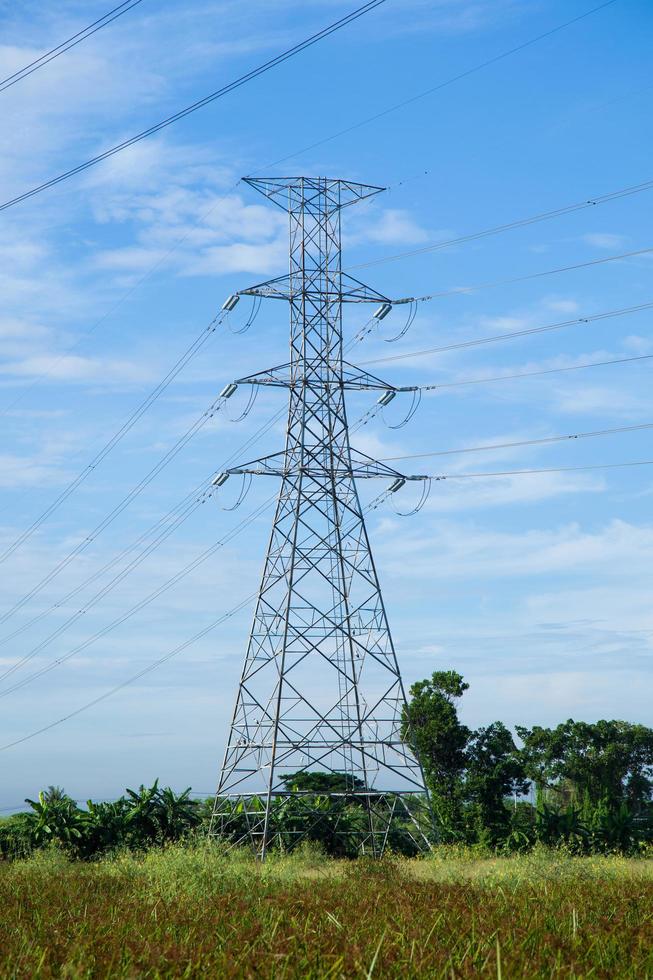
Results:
x,y
320,689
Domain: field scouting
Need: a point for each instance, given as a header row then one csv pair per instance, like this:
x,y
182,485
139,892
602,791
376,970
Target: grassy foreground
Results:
x,y
192,912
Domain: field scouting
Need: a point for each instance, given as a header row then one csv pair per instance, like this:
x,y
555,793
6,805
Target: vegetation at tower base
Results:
x,y
586,787
334,811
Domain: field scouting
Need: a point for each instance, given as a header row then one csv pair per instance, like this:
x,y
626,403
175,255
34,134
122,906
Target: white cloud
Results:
x,y
605,399
549,697
14,329
20,471
392,227
467,550
605,240
239,257
74,368
563,305
637,344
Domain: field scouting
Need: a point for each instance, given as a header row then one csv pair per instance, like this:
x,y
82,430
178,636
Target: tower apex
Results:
x,y
289,192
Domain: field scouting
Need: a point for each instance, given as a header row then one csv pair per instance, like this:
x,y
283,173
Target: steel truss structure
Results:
x,y
321,688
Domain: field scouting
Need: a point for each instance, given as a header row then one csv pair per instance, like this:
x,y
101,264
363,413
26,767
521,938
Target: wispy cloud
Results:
x,y
605,240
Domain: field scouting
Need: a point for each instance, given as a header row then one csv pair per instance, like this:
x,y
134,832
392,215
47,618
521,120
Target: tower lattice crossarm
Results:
x,y
320,700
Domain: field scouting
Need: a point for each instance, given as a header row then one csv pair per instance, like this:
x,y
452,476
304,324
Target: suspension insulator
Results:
x,y
387,397
382,312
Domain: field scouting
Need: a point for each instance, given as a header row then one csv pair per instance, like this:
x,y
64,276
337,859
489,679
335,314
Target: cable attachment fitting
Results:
x,y
426,492
230,390
220,480
253,313
389,395
410,319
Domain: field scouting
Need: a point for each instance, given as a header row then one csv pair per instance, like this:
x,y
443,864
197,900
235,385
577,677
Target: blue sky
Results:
x,y
537,588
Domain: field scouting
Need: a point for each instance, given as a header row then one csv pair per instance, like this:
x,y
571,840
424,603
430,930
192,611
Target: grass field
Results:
x,y
190,912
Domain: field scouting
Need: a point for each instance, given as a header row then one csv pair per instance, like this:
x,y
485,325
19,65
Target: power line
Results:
x,y
126,427
262,430
427,387
183,511
513,334
176,245
265,428
524,442
202,633
107,520
511,225
173,519
552,469
218,94
84,335
192,499
105,590
71,42
150,271
162,660
130,680
168,530
595,201
178,577
532,275
534,374
449,81
177,514
118,509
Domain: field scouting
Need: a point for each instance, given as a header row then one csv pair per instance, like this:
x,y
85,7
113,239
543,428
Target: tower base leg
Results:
x,y
343,824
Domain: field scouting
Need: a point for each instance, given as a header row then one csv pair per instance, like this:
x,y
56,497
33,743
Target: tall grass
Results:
x,y
196,912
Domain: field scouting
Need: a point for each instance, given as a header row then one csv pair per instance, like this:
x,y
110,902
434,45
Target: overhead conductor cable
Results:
x,y
126,427
182,113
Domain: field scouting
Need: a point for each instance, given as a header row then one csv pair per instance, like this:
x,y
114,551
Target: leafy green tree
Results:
x,y
430,725
322,782
610,761
55,794
320,818
495,770
326,812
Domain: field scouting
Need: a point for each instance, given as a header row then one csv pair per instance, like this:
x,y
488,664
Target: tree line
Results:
x,y
585,786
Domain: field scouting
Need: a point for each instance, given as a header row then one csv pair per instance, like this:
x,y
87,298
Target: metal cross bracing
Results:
x,y
321,688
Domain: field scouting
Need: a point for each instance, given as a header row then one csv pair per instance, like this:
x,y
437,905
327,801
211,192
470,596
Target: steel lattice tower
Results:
x,y
321,687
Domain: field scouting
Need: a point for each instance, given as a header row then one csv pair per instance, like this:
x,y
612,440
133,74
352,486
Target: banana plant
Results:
x,y
176,813
57,821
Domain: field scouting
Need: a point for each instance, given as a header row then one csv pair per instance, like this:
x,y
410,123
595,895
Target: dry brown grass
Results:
x,y
196,913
